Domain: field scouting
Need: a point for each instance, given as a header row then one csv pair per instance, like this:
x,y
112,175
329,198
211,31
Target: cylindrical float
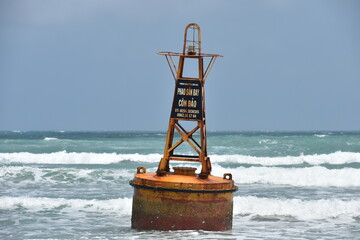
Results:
x,y
181,200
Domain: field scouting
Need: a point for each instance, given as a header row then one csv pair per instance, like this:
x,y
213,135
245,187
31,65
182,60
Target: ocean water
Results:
x,y
75,185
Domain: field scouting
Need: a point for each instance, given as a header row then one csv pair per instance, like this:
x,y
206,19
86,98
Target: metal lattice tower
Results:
x,y
188,103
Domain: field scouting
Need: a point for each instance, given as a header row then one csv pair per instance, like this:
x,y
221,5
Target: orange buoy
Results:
x,y
182,199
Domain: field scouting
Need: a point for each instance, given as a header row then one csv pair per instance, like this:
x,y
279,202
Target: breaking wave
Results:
x,y
64,157
299,177
75,158
247,206
50,138
316,159
121,206
316,176
19,174
299,209
321,135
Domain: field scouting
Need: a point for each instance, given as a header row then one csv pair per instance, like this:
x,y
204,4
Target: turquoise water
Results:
x,y
74,185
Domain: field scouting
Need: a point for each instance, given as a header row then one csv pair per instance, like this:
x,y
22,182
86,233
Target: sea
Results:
x,y
75,185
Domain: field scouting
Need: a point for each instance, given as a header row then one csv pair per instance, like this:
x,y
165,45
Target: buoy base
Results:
x,y
181,203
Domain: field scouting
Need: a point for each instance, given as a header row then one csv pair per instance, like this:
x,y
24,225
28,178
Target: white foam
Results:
x,y
316,159
247,205
267,141
121,206
64,157
300,209
301,177
321,135
76,158
50,138
7,173
34,174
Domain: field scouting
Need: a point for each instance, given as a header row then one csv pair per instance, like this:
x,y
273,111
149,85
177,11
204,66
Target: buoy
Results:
x,y
183,199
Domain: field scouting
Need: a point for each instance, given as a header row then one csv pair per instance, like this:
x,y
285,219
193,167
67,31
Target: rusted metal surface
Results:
x,y
182,200
188,171
182,181
167,210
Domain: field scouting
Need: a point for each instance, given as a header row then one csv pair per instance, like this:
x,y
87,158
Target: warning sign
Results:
x,y
188,100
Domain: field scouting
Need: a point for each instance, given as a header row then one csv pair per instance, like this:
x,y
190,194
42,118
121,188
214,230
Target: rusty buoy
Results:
x,y
181,200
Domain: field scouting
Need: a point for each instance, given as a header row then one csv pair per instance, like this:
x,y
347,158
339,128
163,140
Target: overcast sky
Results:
x,y
92,64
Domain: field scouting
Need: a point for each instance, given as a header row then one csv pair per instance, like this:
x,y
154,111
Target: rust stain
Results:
x,y
178,211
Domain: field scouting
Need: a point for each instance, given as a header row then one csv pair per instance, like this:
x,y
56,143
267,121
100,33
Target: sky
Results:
x,y
91,65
